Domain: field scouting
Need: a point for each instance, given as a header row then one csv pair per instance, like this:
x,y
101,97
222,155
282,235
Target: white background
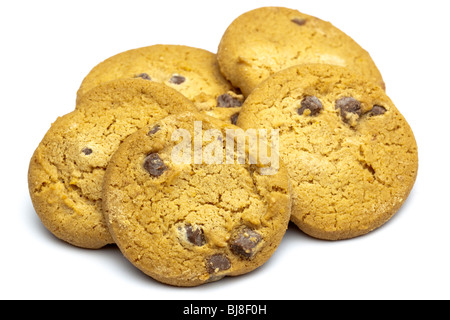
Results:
x,y
49,46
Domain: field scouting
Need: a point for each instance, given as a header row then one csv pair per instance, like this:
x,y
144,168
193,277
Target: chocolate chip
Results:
x,y
154,130
312,103
234,118
377,110
177,79
144,76
87,151
299,21
348,105
154,165
244,242
217,262
227,101
195,235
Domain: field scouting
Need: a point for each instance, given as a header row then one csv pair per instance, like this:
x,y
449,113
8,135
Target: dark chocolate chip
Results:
x,y
244,242
144,76
154,130
217,262
234,118
154,165
195,235
299,21
348,105
377,110
87,151
312,103
177,79
227,101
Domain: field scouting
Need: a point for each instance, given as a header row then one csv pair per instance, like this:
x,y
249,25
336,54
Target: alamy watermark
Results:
x,y
237,147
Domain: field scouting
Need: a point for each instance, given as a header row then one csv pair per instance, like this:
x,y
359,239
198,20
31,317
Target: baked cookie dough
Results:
x,y
67,168
192,71
266,40
186,224
351,156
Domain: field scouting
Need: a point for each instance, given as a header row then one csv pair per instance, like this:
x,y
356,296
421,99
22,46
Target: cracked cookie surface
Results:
x,y
351,155
186,224
266,40
194,72
67,168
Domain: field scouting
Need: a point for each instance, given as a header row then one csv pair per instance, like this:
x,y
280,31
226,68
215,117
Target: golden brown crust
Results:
x,y
266,40
351,171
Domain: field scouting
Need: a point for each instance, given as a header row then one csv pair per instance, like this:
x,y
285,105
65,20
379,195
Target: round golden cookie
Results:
x,y
266,40
186,221
351,156
192,71
66,170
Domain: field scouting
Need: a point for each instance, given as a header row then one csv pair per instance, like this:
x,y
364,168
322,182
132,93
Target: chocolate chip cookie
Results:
x,y
351,155
266,40
185,221
66,170
192,71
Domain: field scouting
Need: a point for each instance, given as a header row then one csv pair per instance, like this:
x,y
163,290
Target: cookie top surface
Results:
x,y
192,71
351,156
67,168
266,40
185,223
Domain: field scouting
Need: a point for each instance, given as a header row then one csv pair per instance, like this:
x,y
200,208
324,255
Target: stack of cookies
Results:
x,y
150,157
